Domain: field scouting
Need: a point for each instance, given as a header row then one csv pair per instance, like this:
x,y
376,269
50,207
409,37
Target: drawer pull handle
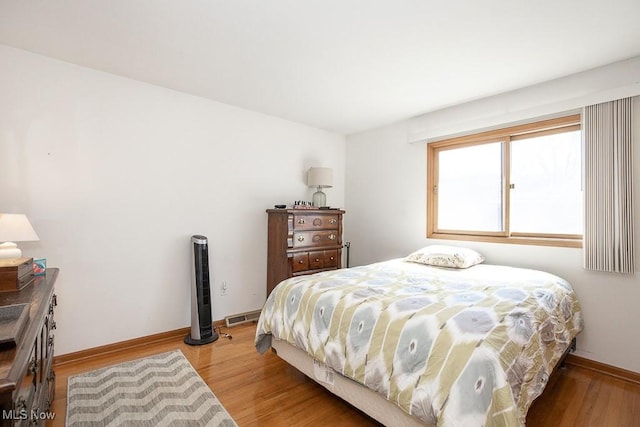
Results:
x,y
21,405
331,258
317,259
301,221
332,236
33,366
333,221
300,238
301,262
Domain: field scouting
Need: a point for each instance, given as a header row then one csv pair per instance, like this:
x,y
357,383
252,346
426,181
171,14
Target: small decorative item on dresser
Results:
x,y
39,266
15,273
302,204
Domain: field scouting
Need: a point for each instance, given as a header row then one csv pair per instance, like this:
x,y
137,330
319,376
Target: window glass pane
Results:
x,y
547,193
470,188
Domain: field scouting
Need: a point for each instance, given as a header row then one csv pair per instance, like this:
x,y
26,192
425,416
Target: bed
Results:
x,y
423,340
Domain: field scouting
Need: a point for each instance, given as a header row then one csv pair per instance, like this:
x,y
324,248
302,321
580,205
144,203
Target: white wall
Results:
x,y
386,218
116,175
546,100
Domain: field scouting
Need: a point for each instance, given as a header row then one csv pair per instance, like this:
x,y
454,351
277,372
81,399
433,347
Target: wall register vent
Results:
x,y
237,319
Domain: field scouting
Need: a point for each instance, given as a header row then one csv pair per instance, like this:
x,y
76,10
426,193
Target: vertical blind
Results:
x,y
608,233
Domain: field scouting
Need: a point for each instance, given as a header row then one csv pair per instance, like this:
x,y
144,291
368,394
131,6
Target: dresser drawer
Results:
x,y
300,262
331,258
316,238
323,259
316,260
315,222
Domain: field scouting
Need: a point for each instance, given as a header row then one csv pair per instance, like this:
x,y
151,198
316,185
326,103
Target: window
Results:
x,y
521,184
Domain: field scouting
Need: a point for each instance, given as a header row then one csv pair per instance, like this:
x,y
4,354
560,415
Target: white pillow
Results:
x,y
446,256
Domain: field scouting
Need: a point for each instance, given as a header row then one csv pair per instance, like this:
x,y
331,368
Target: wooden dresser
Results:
x,y
302,241
27,380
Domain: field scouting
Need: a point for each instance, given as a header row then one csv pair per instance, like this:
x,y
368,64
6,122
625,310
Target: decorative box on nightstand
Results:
x,y
15,273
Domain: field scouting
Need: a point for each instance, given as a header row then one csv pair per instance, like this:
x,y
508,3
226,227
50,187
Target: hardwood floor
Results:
x,y
262,390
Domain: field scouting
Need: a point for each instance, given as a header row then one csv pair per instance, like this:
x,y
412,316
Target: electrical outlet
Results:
x,y
223,288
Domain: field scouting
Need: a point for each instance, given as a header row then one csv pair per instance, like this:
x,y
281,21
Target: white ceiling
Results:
x,y
340,65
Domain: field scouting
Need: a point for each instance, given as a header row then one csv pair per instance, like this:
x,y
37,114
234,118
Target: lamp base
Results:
x,y
319,198
9,250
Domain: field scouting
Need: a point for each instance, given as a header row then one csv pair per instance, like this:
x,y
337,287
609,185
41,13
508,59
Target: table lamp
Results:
x,y
320,178
14,228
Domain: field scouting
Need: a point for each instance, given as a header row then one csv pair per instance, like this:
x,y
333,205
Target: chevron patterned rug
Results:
x,y
159,390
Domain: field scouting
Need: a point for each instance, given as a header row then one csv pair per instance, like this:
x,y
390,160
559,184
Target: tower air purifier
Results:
x,y
201,323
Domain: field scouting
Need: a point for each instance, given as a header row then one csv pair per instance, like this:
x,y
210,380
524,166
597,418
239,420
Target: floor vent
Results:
x,y
237,319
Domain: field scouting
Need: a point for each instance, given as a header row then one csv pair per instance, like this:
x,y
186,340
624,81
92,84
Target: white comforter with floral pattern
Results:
x,y
453,347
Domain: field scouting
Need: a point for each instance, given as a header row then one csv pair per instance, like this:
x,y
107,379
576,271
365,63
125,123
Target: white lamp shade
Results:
x,y
320,177
16,228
